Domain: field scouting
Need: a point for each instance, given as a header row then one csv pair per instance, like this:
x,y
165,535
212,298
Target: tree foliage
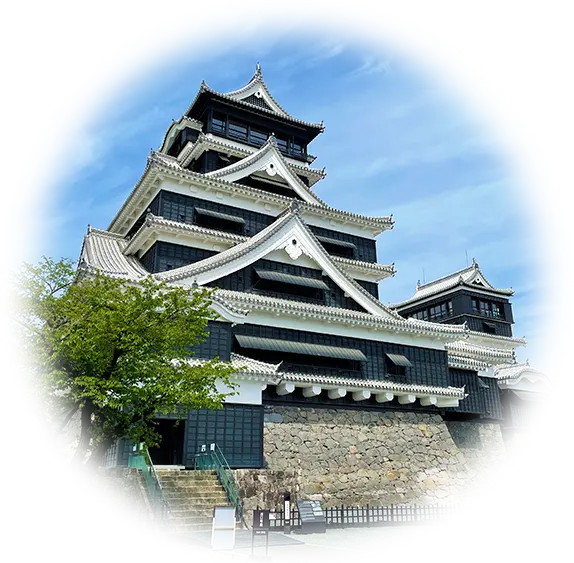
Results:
x,y
117,352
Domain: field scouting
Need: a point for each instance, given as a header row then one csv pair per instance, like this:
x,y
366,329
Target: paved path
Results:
x,y
351,545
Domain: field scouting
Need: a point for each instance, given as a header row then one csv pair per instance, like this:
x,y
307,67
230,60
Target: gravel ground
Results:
x,y
364,540
374,540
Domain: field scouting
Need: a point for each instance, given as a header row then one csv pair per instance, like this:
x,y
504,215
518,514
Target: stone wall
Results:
x,y
482,445
121,488
265,487
356,457
513,441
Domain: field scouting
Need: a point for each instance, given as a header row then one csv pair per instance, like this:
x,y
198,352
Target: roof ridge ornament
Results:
x,y
258,73
474,264
272,140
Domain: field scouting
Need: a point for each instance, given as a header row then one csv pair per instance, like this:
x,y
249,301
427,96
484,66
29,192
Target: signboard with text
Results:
x,y
312,516
223,527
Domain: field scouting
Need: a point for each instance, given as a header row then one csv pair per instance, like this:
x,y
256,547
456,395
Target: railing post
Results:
x,y
368,519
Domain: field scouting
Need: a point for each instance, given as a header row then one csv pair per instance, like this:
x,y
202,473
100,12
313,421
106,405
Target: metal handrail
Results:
x,y
215,460
143,462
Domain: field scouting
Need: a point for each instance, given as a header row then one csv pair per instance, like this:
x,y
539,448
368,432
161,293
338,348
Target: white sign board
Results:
x,y
223,527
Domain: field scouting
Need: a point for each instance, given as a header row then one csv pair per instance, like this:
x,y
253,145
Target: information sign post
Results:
x,y
260,528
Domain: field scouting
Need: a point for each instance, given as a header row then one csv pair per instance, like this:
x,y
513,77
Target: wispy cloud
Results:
x,y
393,144
98,145
373,65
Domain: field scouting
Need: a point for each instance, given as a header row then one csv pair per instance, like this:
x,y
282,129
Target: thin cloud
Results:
x,y
373,65
393,141
325,52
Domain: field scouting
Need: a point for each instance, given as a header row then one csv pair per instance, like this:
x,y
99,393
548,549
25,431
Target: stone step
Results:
x,y
176,502
185,478
179,524
193,484
191,474
190,485
193,491
185,520
180,479
195,512
182,499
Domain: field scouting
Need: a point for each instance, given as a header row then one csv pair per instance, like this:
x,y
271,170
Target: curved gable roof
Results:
x,y
250,96
520,376
471,276
290,234
256,87
269,159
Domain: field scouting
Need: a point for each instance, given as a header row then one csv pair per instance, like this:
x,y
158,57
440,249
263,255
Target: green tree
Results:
x,y
116,352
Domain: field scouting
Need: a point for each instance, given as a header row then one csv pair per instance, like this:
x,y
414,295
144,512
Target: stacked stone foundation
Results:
x,y
356,458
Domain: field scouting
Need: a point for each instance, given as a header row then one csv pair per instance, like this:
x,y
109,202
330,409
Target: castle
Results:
x,y
341,398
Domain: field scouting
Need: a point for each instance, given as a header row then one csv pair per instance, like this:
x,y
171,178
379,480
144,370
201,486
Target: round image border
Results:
x,y
465,54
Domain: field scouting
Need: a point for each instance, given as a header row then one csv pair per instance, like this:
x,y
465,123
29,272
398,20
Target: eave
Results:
x,y
347,317
154,226
337,387
205,93
272,161
483,354
290,234
447,284
160,167
205,142
175,128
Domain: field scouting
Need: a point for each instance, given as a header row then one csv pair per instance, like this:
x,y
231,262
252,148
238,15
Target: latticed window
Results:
x,y
236,429
282,144
218,122
297,147
257,137
237,130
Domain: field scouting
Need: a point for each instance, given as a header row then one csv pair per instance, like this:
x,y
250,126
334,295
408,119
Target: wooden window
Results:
x,y
257,137
237,130
218,122
297,147
282,144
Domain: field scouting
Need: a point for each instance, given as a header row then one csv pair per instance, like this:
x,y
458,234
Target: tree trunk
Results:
x,y
86,412
97,457
67,418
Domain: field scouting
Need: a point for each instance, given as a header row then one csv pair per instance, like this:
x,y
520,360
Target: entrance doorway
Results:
x,y
170,449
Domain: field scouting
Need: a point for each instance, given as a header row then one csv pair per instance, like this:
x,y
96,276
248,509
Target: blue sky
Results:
x,y
396,142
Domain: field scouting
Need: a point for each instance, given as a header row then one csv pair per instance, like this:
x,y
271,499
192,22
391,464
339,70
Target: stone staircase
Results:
x,y
191,496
